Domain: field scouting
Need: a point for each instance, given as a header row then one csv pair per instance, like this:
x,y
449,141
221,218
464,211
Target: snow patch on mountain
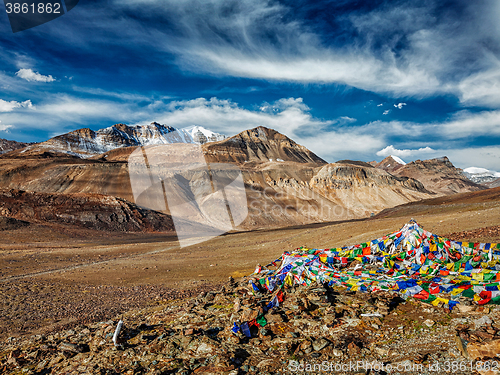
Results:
x,y
398,160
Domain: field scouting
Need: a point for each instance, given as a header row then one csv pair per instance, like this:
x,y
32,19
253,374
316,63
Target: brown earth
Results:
x,y
472,235
67,261
313,326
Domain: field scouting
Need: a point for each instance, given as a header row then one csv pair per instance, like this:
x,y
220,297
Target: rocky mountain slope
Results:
x,y
428,206
438,175
493,184
6,145
365,190
259,145
92,211
390,164
285,183
86,142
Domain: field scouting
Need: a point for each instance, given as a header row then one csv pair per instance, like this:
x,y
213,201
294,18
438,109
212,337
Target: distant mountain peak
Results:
x,y
202,135
86,143
397,159
390,164
481,175
259,145
438,175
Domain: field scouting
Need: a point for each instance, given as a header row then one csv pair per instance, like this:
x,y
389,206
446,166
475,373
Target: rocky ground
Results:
x,y
493,231
60,290
25,302
333,329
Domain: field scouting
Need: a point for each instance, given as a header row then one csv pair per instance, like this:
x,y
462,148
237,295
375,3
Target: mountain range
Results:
x,y
86,143
285,183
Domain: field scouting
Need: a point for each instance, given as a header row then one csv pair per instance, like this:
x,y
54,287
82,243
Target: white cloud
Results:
x,y
391,150
6,106
61,113
129,96
4,127
476,170
380,105
31,76
482,88
286,115
332,139
65,108
462,125
386,112
401,49
399,105
486,157
471,124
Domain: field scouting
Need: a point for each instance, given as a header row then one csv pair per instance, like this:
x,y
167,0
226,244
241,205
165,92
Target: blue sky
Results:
x,y
348,79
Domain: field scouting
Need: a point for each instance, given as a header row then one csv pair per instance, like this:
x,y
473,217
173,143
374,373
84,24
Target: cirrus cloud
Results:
x,y
398,49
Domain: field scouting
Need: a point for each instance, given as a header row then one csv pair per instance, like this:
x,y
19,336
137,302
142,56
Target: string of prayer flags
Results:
x,y
412,261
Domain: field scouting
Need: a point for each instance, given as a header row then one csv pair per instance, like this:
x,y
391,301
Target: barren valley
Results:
x,y
47,267
80,248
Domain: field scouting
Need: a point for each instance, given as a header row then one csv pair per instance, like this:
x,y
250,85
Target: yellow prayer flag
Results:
x,y
478,276
440,300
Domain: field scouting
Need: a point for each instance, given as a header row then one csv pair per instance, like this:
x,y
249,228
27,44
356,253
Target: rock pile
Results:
x,y
314,325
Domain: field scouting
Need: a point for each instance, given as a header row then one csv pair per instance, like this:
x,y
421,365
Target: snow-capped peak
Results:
x,y
398,160
201,135
480,175
477,170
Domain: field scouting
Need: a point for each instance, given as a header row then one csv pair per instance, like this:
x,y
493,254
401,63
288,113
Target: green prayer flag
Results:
x,y
469,293
489,276
261,320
